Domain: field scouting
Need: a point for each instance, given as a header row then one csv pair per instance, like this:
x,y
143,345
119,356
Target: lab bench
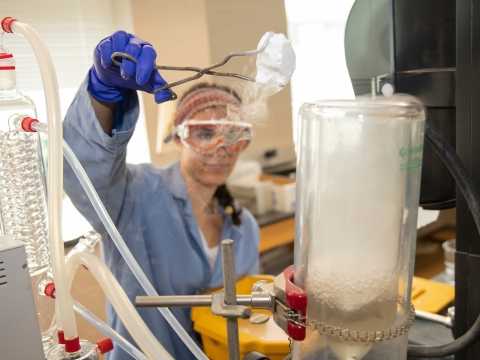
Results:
x,y
276,229
277,234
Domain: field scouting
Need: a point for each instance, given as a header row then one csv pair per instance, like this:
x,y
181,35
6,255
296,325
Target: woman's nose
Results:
x,y
221,151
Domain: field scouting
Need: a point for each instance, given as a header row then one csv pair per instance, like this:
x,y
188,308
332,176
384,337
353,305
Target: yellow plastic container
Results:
x,y
267,338
431,296
272,341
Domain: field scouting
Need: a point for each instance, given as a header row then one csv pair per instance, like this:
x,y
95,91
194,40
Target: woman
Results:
x,y
173,218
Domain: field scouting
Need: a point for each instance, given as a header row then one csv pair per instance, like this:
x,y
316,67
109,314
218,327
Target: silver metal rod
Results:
x,y
432,317
174,301
229,280
185,301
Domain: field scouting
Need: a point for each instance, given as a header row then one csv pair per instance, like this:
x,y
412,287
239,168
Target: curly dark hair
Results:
x,y
222,194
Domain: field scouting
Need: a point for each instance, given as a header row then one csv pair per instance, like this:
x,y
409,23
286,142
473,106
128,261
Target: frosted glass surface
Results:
x,y
358,179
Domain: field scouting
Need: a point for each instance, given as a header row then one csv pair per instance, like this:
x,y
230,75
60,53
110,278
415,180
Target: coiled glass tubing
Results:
x,y
22,196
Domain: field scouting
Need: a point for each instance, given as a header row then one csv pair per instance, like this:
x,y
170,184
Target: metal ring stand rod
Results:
x,y
199,301
230,298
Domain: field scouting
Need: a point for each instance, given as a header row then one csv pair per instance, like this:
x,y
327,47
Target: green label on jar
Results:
x,y
412,164
410,151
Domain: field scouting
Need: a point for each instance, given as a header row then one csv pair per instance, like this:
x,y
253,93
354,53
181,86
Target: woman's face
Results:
x,y
207,169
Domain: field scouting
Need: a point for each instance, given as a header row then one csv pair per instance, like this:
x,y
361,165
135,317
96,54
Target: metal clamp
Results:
x,y
288,303
228,311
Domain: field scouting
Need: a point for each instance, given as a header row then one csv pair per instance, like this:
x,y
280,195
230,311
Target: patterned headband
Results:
x,y
204,98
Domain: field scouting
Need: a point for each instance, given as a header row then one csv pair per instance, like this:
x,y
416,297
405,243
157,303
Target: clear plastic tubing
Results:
x,y
107,330
55,173
119,300
86,244
358,185
120,243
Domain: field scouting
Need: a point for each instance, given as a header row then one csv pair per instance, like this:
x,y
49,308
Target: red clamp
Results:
x,y
296,299
50,290
105,345
72,345
7,24
61,337
27,124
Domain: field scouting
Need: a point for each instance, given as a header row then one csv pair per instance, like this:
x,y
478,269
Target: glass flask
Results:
x,y
358,184
88,351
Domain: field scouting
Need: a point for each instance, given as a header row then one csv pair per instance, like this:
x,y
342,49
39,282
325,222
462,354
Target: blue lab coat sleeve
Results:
x,y
101,155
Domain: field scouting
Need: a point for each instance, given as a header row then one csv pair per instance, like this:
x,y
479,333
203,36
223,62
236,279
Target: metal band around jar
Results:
x,y
354,335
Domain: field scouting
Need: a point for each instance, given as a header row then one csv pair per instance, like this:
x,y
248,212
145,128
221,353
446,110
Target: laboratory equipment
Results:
x,y
275,64
87,351
102,274
55,170
429,50
258,333
385,45
358,176
130,318
71,345
23,212
295,316
381,333
86,243
107,330
22,339
449,249
230,305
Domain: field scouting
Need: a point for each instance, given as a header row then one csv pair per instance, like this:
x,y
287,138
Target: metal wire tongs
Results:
x,y
200,72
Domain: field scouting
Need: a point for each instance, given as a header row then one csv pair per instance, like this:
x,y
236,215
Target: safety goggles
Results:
x,y
206,136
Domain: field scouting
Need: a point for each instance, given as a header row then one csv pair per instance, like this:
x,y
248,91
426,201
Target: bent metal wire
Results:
x,y
117,58
353,335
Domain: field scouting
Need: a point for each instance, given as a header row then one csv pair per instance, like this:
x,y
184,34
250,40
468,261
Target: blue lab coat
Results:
x,y
153,213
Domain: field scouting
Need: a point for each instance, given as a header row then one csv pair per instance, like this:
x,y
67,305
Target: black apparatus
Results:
x,y
431,49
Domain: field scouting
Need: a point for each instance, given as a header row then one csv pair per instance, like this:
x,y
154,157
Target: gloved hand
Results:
x,y
110,83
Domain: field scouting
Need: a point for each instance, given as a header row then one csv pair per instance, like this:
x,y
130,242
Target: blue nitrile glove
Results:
x,y
110,83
